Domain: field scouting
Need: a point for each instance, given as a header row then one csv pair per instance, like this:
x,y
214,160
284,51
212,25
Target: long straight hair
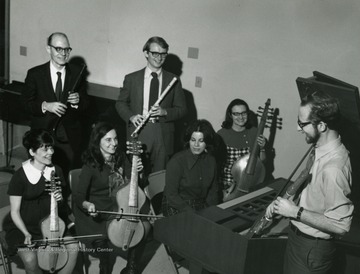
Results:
x,y
93,155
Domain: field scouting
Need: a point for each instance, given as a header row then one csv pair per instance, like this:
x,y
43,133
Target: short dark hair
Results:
x,y
228,122
36,138
49,39
158,40
92,154
205,127
323,108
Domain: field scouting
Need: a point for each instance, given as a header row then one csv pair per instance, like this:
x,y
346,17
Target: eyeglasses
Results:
x,y
156,54
62,50
242,114
303,124
46,148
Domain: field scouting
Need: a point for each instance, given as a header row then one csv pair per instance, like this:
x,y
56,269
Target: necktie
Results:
x,y
154,89
310,161
304,176
58,88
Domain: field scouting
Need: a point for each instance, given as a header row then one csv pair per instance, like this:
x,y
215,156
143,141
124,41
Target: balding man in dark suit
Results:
x,y
58,113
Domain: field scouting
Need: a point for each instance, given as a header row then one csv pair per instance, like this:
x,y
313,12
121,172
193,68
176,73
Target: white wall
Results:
x,y
252,49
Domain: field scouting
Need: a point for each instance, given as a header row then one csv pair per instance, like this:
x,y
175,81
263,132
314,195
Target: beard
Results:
x,y
312,139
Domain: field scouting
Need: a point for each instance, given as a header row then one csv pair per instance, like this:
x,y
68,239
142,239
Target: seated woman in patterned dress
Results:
x,y
238,133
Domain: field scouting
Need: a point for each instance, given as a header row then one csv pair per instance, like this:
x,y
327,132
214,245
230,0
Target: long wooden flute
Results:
x,y
147,116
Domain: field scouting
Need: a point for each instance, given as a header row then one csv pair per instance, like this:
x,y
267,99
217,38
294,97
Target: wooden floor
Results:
x,y
153,261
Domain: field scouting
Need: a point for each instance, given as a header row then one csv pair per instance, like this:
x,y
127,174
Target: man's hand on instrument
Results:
x,y
55,107
136,120
285,207
261,140
269,213
156,111
74,98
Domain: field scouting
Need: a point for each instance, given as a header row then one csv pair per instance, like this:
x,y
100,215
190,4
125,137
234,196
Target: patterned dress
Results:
x,y
238,144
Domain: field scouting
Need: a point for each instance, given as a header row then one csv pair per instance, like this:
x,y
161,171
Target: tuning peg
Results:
x,y
270,124
271,117
277,126
262,109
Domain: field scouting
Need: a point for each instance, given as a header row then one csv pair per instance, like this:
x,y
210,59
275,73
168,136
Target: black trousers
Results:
x,y
304,255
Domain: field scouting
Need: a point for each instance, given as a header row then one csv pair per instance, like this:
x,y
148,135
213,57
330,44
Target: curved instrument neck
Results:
x,y
250,168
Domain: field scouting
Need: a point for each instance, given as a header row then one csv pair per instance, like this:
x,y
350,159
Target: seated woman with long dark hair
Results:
x,y
30,205
191,175
106,170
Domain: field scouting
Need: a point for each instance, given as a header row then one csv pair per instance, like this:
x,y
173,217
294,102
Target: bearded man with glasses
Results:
x,y
136,100
49,98
324,210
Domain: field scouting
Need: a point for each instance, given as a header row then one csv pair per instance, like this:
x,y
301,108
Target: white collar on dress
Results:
x,y
34,175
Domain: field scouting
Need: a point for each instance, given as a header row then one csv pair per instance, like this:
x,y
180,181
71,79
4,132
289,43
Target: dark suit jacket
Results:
x,y
130,102
39,89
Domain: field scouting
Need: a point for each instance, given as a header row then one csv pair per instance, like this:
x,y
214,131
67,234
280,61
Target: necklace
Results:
x,y
111,163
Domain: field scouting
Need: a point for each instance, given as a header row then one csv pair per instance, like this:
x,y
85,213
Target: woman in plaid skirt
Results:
x,y
238,133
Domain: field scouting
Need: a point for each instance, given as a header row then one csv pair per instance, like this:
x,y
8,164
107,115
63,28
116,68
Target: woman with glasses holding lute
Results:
x,y
238,133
